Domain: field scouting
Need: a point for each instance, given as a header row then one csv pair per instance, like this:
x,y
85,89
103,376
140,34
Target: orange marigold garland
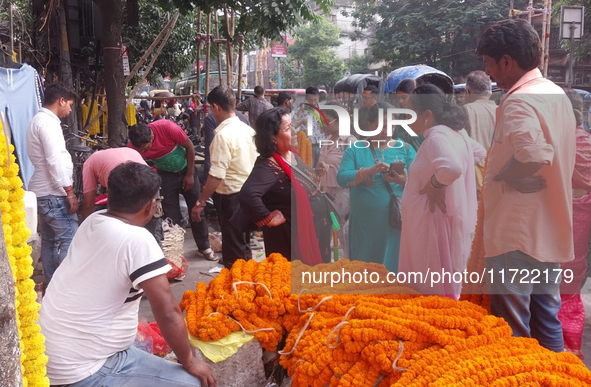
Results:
x,y
371,339
304,147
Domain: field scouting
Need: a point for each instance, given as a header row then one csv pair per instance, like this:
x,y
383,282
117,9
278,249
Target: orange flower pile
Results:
x,y
250,297
390,340
366,339
317,279
304,147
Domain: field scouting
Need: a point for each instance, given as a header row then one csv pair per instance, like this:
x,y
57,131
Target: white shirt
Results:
x,y
90,309
233,154
47,150
482,116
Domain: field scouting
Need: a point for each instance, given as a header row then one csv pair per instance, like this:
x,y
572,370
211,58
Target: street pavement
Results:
x,y
198,270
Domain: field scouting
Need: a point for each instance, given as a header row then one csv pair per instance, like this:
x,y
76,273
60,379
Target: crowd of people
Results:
x,y
408,202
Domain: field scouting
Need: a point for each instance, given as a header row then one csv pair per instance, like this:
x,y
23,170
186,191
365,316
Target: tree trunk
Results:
x,y
229,17
198,72
240,64
218,47
112,17
65,69
10,353
207,54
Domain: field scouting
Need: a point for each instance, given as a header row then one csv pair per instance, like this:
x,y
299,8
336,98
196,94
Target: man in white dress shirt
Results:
x,y
52,180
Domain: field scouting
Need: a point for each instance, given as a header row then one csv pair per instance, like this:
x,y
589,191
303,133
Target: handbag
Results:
x,y
394,213
330,204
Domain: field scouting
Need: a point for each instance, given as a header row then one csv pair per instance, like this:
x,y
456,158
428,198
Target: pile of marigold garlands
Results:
x,y
304,147
16,233
371,339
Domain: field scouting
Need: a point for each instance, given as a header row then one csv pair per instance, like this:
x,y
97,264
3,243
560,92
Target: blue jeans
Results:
x,y
58,227
134,367
531,309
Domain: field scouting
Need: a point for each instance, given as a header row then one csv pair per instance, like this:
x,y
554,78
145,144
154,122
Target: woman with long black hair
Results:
x,y
276,181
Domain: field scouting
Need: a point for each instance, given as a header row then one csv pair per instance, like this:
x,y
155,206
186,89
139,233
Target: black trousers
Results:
x,y
235,244
172,186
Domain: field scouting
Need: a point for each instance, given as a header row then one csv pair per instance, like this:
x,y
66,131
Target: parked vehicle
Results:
x,y
419,73
188,86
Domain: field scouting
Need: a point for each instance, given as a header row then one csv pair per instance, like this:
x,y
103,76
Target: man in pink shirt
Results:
x,y
527,186
173,154
96,170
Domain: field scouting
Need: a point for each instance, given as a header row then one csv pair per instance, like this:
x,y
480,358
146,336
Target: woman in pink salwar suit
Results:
x,y
572,310
439,202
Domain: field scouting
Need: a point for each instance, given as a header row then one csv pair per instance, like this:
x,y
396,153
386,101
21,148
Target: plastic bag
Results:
x,y
150,339
177,272
143,341
223,348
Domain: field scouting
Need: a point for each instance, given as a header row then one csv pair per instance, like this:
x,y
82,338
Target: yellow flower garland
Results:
x,y
96,127
130,113
16,233
304,147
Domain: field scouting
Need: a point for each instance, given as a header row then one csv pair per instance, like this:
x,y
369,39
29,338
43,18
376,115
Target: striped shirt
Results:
x,y
91,306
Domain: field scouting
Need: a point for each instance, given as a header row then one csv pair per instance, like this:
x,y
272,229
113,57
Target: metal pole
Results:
x,y
547,41
571,74
511,6
11,25
279,73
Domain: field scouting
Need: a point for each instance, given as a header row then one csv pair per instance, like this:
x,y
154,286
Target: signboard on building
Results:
x,y
125,60
278,50
201,66
572,18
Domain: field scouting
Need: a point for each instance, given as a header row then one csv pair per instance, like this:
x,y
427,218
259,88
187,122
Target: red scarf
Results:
x,y
307,244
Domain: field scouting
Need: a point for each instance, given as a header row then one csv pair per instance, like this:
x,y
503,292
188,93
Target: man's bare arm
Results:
x,y
172,326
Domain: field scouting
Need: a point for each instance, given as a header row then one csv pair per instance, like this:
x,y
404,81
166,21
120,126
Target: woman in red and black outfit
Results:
x,y
266,197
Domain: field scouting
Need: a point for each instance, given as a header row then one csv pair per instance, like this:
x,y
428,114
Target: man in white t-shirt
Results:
x,y
89,314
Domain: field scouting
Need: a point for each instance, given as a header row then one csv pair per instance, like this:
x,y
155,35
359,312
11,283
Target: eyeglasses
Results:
x,y
336,119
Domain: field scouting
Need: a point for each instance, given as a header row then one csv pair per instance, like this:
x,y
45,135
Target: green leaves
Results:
x,y
314,50
265,19
179,52
439,33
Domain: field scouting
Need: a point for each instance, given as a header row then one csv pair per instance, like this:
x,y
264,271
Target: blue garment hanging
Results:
x,y
20,99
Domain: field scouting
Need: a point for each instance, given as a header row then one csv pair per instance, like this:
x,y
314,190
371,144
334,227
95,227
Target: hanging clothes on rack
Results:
x,y
20,100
